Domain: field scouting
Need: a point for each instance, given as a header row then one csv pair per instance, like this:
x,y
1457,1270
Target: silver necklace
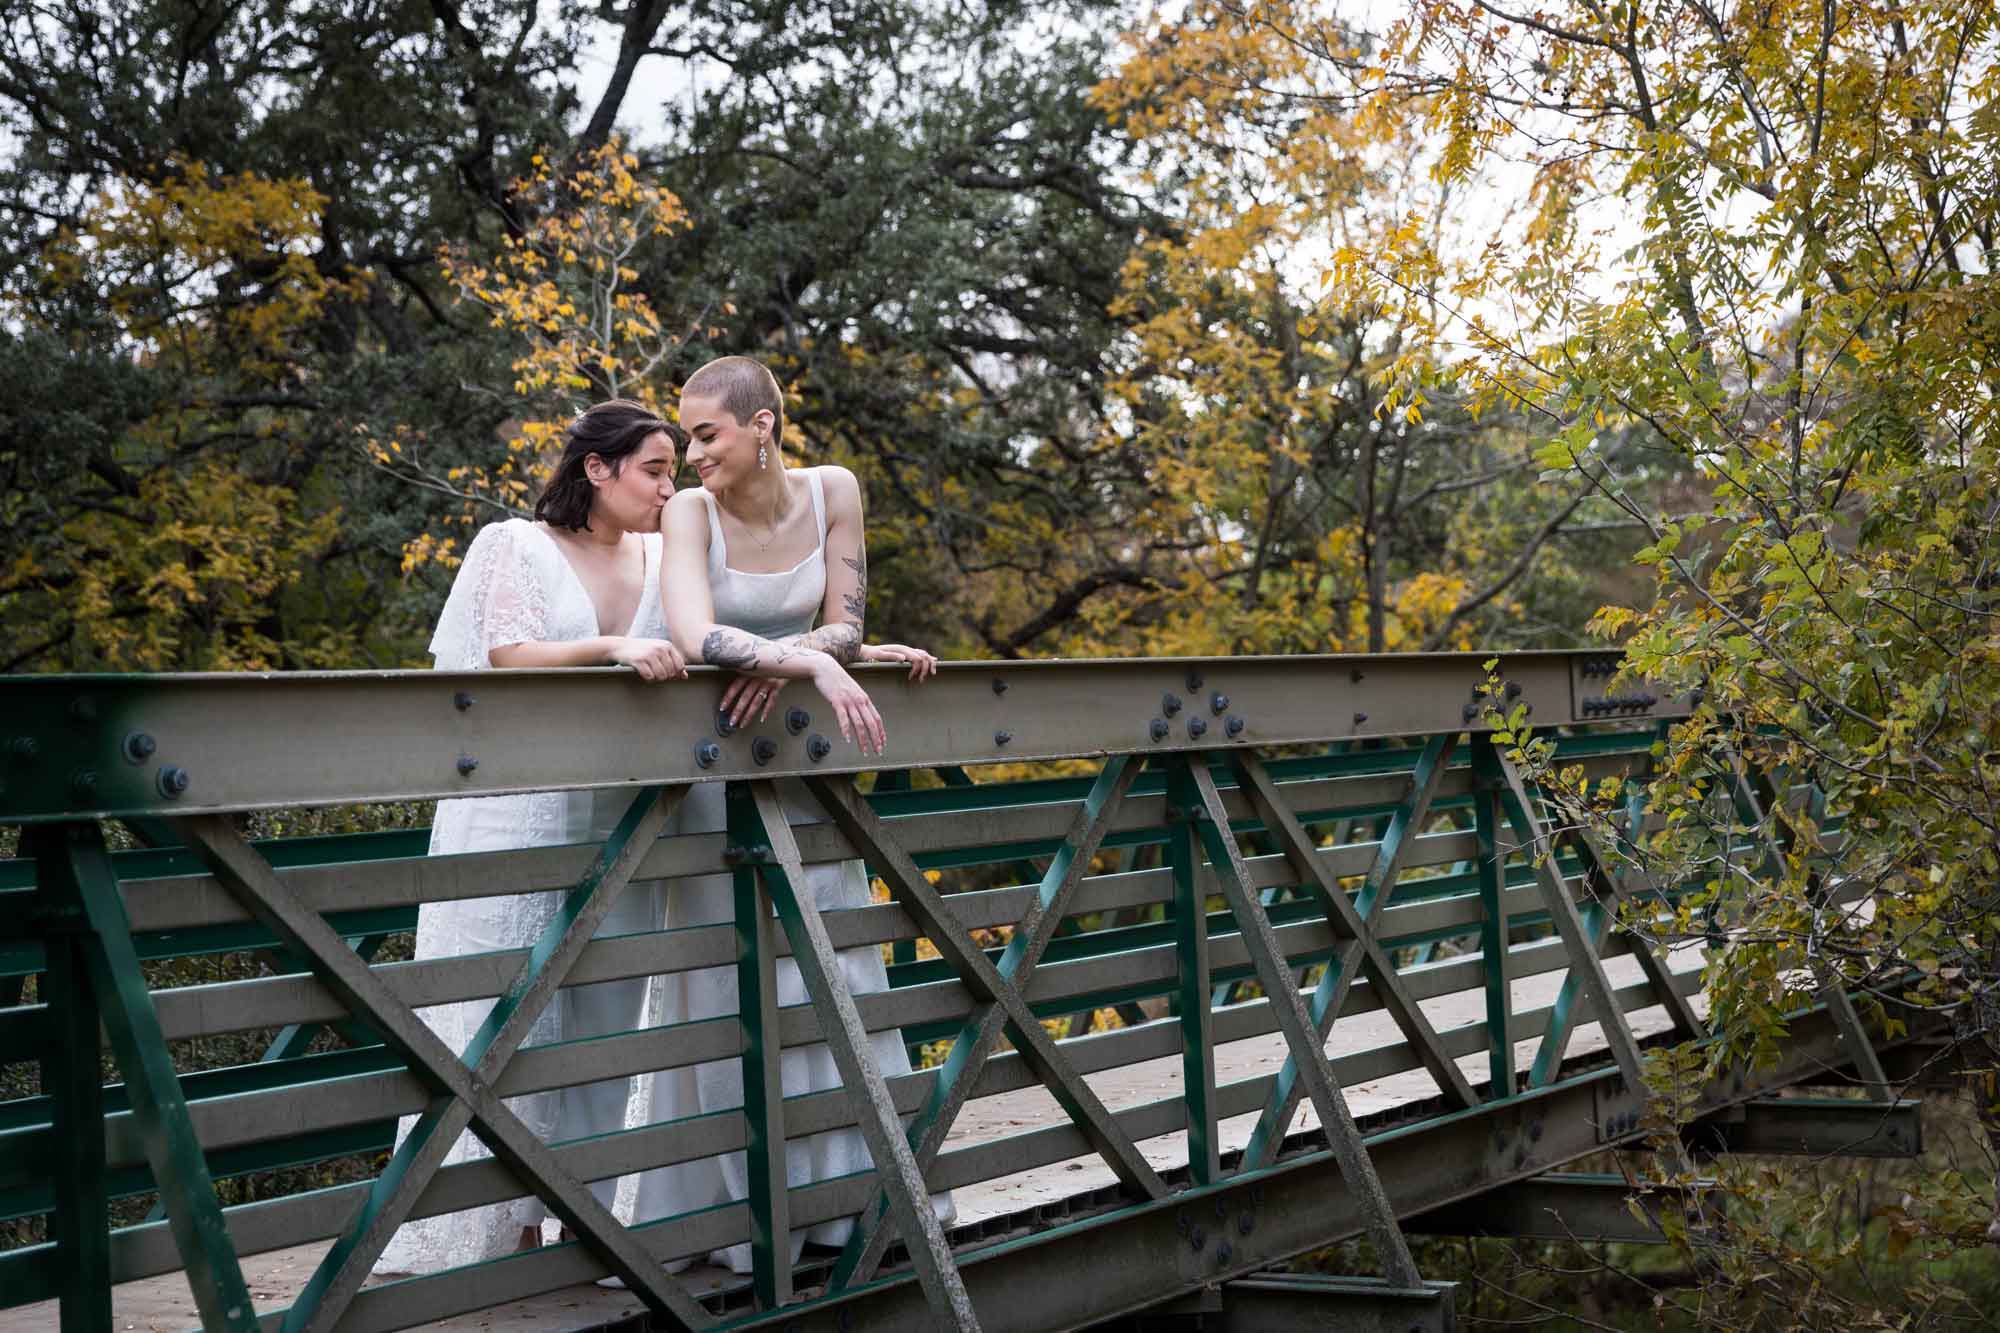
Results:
x,y
777,520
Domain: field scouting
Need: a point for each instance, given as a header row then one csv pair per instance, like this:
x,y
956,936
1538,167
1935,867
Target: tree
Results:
x,y
931,274
166,554
1319,504
1801,308
564,290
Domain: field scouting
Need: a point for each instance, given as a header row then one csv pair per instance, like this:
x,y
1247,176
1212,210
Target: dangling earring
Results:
x,y
762,457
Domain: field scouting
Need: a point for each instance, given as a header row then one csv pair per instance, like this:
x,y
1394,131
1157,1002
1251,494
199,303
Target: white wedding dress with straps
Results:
x,y
517,586
773,606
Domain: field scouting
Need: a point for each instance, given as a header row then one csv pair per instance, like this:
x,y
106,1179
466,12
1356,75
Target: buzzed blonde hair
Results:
x,y
745,386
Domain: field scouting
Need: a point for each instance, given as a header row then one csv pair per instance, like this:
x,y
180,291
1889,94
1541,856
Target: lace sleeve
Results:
x,y
497,599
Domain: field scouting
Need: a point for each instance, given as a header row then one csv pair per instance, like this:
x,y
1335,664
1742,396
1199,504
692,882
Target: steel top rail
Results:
x,y
92,746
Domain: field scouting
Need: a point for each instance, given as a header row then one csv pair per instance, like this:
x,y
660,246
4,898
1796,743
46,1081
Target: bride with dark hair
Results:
x,y
577,586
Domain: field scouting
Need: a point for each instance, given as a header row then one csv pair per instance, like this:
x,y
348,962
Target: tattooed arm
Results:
x,y
843,613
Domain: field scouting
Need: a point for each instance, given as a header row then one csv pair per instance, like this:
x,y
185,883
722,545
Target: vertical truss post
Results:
x,y
72,1077
1495,962
847,1040
1609,896
80,867
1343,1136
1192,987
1354,924
763,1074
1584,959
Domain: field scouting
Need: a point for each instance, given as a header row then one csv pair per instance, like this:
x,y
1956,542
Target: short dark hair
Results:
x,y
613,431
745,387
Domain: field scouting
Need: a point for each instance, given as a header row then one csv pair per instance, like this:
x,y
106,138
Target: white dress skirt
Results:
x,y
773,606
515,587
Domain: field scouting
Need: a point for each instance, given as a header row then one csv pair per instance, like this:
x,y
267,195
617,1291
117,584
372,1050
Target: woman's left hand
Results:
x,y
923,665
750,695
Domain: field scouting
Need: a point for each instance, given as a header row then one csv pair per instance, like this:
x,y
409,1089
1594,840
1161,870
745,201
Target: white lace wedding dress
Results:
x,y
773,606
516,586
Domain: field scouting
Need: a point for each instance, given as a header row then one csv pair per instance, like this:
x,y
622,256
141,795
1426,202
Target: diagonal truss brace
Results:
x,y
463,1096
1360,943
1611,896
974,1044
847,1040
1308,1055
763,1062
1358,922
1760,813
1607,882
997,1003
1584,960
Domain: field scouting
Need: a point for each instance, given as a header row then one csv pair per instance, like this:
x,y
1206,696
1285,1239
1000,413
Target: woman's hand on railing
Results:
x,y
748,695
852,708
923,664
653,659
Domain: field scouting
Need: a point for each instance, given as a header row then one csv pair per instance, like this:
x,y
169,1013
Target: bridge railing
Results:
x,y
1228,830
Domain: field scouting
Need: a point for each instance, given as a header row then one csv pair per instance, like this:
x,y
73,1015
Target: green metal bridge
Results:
x,y
1365,984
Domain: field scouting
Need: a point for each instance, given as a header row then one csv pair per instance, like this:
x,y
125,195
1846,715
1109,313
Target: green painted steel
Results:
x,y
82,865
1302,1038
1011,971
222,742
847,1040
763,1078
1191,994
70,1075
1494,934
1358,923
1105,922
1533,838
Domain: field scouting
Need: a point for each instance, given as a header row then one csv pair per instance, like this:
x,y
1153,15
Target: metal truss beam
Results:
x,y
997,993
1585,962
73,867
847,1040
1101,1269
1755,805
148,746
1812,1127
1358,922
1302,1040
461,1094
1558,1206
1287,1302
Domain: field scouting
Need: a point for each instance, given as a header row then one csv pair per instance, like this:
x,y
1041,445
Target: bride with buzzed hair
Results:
x,y
766,569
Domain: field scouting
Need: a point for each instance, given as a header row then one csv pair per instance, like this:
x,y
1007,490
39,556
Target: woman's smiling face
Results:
x,y
720,450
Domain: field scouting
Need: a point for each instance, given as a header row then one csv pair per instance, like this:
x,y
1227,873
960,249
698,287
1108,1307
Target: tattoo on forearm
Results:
x,y
724,649
856,602
841,642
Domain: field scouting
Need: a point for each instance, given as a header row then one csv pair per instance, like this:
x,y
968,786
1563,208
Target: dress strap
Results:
x,y
718,549
819,504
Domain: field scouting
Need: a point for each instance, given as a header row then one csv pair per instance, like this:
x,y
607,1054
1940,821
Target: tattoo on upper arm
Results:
x,y
723,649
856,603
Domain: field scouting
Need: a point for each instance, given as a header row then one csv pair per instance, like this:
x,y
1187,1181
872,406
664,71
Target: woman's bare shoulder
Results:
x,y
686,511
842,487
